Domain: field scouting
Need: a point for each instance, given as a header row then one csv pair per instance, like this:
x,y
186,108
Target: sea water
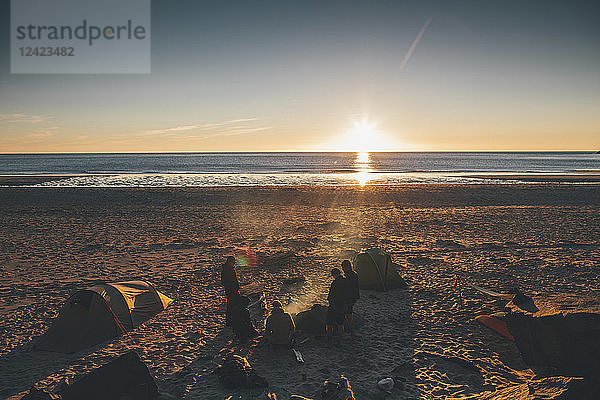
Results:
x,y
259,169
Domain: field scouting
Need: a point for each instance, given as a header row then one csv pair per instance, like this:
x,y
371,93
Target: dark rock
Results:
x,y
566,343
449,244
312,321
294,280
340,390
38,394
236,372
492,246
329,226
523,301
422,261
126,376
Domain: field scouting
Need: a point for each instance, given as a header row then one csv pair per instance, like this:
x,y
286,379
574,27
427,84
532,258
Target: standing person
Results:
x,y
335,311
231,285
279,328
352,293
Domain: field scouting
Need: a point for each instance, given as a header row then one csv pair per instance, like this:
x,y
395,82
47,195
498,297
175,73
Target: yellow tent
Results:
x,y
101,312
376,271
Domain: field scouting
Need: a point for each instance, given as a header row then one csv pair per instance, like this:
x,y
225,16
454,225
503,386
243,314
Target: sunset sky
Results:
x,y
328,75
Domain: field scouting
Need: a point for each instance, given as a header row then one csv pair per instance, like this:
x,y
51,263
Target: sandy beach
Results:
x,y
545,239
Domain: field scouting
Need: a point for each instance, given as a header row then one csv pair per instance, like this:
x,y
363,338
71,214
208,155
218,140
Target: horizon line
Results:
x,y
299,151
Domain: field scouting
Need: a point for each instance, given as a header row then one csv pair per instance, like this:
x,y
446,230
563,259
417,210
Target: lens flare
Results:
x,y
244,256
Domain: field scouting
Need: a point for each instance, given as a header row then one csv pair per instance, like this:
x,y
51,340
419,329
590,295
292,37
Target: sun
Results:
x,y
363,137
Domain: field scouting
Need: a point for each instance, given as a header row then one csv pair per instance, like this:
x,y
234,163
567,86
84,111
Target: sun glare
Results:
x,y
363,136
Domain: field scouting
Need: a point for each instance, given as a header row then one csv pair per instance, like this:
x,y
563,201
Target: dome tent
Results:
x,y
376,271
102,312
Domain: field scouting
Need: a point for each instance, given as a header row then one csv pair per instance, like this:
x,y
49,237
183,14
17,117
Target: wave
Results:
x,y
266,180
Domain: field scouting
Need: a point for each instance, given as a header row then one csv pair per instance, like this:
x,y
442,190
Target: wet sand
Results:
x,y
543,238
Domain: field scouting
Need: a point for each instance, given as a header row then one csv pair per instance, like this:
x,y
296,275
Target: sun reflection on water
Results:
x,y
362,158
362,165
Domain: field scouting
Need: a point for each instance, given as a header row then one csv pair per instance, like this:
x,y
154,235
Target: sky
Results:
x,y
327,75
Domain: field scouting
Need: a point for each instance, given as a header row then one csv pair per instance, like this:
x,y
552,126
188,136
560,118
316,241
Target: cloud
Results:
x,y
241,130
19,117
40,134
167,130
43,133
233,132
231,127
226,123
414,44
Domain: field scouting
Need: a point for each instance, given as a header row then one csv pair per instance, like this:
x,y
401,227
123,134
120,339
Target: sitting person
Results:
x,y
279,328
240,320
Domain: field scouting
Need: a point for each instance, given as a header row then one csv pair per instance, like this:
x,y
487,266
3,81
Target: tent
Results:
x,y
376,271
102,312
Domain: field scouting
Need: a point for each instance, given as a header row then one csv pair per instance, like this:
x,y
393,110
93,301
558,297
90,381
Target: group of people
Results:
x,y
279,326
343,294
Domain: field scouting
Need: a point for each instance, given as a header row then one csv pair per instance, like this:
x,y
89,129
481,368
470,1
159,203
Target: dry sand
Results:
x,y
543,238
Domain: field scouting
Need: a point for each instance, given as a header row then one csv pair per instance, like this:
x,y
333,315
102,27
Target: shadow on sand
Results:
x,y
384,347
25,366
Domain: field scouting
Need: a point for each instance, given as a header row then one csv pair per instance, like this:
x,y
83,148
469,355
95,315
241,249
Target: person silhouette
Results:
x,y
279,327
352,293
231,285
337,302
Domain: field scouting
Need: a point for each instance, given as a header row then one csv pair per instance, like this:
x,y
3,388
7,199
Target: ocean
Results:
x,y
258,169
